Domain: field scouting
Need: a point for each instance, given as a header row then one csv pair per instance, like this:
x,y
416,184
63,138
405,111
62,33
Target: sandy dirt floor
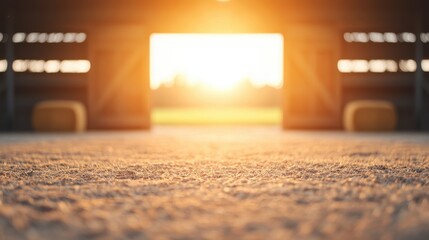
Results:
x,y
214,183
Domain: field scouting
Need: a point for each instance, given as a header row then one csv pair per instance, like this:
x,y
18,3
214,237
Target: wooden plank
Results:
x,y
51,80
52,93
401,97
382,80
377,51
50,51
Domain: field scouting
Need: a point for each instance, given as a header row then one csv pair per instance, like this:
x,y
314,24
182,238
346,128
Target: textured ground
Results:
x,y
214,183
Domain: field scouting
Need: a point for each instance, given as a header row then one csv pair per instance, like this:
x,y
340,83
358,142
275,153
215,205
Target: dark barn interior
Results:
x,y
114,37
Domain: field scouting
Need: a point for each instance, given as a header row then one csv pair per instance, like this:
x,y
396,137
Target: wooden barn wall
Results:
x,y
211,16
32,87
2,77
397,87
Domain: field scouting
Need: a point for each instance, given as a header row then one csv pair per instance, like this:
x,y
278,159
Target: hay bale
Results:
x,y
370,115
59,116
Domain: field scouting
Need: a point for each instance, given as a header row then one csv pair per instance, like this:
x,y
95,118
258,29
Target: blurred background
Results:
x,y
132,64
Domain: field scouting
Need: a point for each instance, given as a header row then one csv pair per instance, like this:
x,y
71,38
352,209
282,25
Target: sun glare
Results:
x,y
217,61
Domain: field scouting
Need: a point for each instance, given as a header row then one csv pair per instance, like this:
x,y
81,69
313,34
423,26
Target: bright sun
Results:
x,y
217,61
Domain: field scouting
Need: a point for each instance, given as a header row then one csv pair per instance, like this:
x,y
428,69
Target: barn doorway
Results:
x,y
216,78
120,94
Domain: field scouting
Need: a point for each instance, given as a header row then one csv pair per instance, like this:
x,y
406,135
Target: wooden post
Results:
x,y
119,78
10,81
312,87
419,77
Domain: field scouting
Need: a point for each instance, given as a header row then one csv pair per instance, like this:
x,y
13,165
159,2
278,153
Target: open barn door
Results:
x,y
119,85
312,86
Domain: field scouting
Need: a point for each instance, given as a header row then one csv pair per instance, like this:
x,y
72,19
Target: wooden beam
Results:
x,y
173,15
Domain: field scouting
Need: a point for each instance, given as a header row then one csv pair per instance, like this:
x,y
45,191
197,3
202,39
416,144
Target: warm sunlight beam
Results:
x,y
217,61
